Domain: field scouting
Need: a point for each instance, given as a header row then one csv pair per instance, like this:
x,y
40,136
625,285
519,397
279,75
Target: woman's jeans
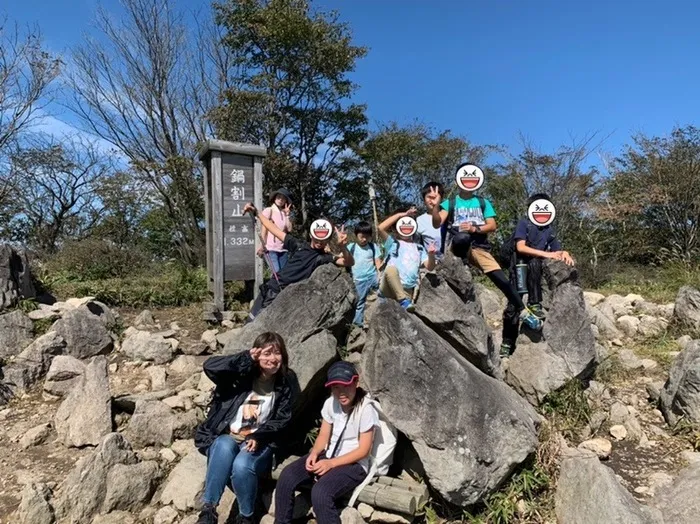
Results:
x,y
278,260
230,464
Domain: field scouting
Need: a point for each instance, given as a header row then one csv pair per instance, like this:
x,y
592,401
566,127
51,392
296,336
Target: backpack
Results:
x,y
382,454
352,252
444,230
507,253
388,257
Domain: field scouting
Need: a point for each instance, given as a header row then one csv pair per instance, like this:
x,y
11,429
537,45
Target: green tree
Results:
x,y
290,92
653,197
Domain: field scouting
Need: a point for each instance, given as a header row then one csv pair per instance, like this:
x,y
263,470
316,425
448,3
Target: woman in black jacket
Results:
x,y
251,408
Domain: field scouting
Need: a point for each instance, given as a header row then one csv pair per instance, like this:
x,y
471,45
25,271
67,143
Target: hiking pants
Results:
x,y
534,280
337,483
363,289
511,315
268,293
391,286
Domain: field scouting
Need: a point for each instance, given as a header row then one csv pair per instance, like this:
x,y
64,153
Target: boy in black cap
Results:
x,y
304,257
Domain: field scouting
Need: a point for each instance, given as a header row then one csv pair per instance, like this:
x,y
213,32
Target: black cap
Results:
x,y
282,191
343,373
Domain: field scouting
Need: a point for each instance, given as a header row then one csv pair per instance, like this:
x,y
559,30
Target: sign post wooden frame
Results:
x,y
232,172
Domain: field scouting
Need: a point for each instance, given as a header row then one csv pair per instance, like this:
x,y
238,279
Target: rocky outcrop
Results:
x,y
323,302
85,416
85,334
589,493
680,396
15,277
469,430
31,365
687,308
15,333
447,303
146,346
565,349
679,502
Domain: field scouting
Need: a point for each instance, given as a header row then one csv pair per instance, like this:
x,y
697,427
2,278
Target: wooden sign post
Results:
x,y
232,177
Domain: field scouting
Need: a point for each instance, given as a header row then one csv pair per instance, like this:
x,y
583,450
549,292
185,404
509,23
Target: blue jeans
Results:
x,y
363,288
278,260
229,464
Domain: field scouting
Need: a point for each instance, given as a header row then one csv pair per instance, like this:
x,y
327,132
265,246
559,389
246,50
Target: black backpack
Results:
x,y
451,218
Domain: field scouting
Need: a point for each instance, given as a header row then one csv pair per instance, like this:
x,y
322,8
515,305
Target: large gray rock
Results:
x,y
324,301
146,346
607,327
64,374
469,430
35,507
455,314
102,311
185,483
15,277
129,486
492,302
310,361
15,333
85,416
30,365
85,334
82,493
687,309
680,396
589,493
679,502
567,347
155,424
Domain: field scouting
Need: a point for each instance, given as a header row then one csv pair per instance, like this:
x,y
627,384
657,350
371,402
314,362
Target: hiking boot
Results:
x,y
531,321
208,515
407,304
536,309
506,349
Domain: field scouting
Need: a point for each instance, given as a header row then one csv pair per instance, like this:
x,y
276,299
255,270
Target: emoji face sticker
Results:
x,y
469,177
321,229
541,212
406,226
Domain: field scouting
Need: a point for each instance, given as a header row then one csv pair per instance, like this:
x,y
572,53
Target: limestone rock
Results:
x,y
85,334
154,423
146,346
63,375
85,416
600,446
15,330
469,430
680,396
35,507
185,483
687,309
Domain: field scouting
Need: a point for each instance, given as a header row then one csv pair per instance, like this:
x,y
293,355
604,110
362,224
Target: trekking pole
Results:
x,y
373,200
266,254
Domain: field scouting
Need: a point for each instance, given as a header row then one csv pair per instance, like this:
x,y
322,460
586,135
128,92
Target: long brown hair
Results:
x,y
270,338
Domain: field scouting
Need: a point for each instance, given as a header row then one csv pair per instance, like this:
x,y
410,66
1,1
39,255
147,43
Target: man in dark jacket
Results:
x,y
247,420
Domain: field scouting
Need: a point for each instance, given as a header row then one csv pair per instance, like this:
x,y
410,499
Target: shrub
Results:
x,y
96,259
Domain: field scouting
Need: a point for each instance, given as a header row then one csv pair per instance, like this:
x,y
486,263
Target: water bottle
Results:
x,y
521,276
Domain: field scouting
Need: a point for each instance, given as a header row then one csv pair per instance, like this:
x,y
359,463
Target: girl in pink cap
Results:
x,y
339,459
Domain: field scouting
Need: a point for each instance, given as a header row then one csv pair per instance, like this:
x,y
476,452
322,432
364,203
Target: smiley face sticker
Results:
x,y
321,229
541,212
469,177
406,226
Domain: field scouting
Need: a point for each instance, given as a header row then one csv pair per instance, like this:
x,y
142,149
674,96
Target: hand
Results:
x,y
250,208
342,237
255,354
434,196
323,466
251,445
287,209
261,251
467,227
568,260
432,249
311,461
412,212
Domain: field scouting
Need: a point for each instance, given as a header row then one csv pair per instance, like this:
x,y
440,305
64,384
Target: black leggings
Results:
x,y
511,315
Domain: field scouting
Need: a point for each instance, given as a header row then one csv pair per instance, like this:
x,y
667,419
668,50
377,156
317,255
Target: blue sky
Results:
x,y
491,70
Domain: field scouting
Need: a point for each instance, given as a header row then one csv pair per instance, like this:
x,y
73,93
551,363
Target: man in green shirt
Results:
x,y
468,224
